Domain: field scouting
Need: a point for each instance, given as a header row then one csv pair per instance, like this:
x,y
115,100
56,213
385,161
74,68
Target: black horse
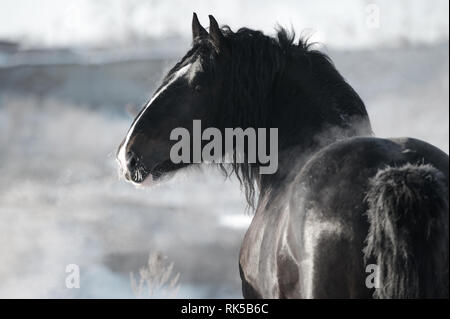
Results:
x,y
341,199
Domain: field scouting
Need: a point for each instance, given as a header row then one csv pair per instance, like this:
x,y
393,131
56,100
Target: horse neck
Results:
x,y
314,108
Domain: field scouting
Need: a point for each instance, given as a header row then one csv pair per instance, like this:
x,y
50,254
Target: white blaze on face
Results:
x,y
196,67
121,156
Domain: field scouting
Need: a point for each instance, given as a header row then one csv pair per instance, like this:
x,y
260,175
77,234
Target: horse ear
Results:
x,y
197,29
215,33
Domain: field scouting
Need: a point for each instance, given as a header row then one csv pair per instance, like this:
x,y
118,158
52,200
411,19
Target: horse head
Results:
x,y
189,91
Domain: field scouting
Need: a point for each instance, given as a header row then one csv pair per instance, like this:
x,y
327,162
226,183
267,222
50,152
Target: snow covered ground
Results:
x,y
62,116
62,203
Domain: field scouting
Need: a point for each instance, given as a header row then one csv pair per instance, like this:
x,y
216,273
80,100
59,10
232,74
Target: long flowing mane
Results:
x,y
256,87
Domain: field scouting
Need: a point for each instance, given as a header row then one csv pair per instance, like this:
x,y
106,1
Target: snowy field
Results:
x,y
63,114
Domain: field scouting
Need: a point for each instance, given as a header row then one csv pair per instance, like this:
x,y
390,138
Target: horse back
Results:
x,y
327,211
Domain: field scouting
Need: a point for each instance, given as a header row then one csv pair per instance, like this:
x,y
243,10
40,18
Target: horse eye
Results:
x,y
198,88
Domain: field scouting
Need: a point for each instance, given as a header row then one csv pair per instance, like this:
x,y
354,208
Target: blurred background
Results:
x,y
73,73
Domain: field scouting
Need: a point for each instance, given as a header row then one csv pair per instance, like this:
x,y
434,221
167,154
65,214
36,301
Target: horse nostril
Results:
x,y
132,160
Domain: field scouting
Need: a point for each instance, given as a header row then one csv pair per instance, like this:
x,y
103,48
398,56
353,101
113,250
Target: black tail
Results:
x,y
408,235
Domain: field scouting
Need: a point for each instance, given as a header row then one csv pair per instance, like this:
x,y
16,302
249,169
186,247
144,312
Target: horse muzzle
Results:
x,y
132,168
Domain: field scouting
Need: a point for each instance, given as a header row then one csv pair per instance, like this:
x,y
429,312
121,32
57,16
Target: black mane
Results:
x,y
258,62
277,82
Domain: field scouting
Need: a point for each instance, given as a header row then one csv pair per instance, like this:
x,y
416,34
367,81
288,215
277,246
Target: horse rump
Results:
x,y
408,232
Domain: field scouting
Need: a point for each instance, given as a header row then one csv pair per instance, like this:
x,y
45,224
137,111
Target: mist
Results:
x,y
70,83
